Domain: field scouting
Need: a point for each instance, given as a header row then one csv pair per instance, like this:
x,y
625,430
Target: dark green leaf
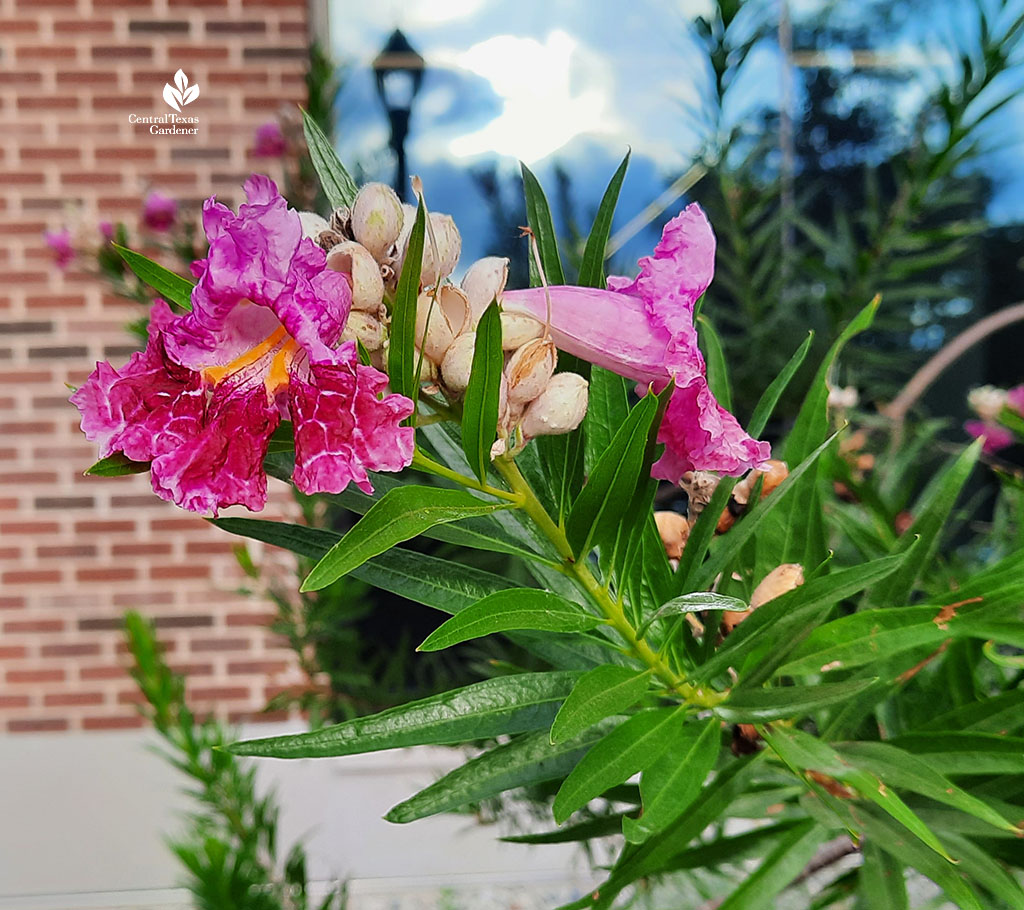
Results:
x,y
339,188
504,704
117,465
780,867
966,753
714,357
503,611
630,747
600,693
668,786
538,216
402,357
480,406
593,827
399,515
607,409
754,706
881,882
766,406
169,285
697,602
591,273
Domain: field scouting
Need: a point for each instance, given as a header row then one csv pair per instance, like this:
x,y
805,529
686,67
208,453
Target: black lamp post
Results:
x,y
399,71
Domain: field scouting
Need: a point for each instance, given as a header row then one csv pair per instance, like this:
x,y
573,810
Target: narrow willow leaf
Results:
x,y
766,406
1001,714
776,622
632,746
733,848
966,753
714,358
908,772
592,264
399,515
402,357
584,831
526,760
754,706
169,285
759,889
339,187
480,406
986,871
313,543
881,882
608,493
504,611
116,465
669,785
505,704
607,409
697,602
600,693
803,753
702,533
931,516
538,216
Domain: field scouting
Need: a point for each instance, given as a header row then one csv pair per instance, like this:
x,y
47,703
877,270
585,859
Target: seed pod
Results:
x,y
530,369
449,245
366,328
700,486
458,363
312,224
355,260
448,316
517,329
483,282
559,408
674,530
377,218
775,472
781,580
428,369
341,221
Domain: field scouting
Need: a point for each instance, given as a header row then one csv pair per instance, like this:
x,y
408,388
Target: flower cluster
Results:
x,y
261,343
995,409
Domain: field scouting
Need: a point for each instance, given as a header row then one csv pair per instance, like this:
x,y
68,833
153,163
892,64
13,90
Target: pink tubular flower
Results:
x,y
1015,399
159,212
202,400
643,329
269,141
60,243
995,437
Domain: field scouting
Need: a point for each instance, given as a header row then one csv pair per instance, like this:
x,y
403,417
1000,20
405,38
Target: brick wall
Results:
x,y
75,552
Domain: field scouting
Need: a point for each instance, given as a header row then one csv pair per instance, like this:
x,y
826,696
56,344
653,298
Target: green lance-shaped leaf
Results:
x,y
908,772
880,882
591,273
766,406
931,515
169,285
538,216
966,753
527,760
339,187
984,869
803,752
598,694
669,785
697,602
755,706
116,465
399,515
794,850
480,406
632,746
607,409
504,704
714,357
601,826
605,499
402,357
504,611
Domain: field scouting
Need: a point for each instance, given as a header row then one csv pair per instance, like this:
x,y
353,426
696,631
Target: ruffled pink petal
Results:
x,y
343,429
221,465
996,437
143,409
1015,399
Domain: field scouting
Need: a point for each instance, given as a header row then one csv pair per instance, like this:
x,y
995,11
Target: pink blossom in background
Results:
x,y
106,229
159,212
60,243
1015,399
203,399
996,437
269,141
643,329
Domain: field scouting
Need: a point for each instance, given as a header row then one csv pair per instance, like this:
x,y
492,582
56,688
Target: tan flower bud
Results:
x,y
775,472
455,305
458,363
700,486
483,282
674,530
377,218
530,369
448,315
366,328
355,260
517,329
449,245
781,580
428,369
559,408
312,224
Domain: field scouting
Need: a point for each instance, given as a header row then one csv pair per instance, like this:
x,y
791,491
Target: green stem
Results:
x,y
609,607
424,463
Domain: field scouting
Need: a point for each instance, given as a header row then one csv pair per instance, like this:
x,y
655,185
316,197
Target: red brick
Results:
x,y
200,645
107,672
33,625
218,693
80,649
37,725
15,677
112,723
106,573
179,571
69,699
249,619
30,577
14,701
